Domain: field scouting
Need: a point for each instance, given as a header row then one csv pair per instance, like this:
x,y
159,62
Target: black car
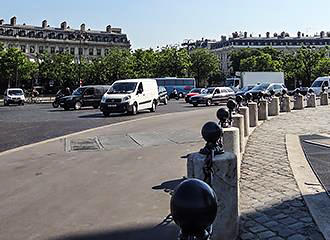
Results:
x,y
277,88
84,96
243,90
162,95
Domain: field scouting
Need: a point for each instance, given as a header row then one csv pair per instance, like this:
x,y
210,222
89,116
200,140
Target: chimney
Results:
x,y
322,34
282,34
299,34
108,29
44,24
328,34
275,34
1,21
245,34
303,34
13,21
83,27
260,35
223,38
64,25
267,34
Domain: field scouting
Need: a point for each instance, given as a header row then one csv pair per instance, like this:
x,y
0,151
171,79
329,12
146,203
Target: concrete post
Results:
x,y
253,114
225,185
274,107
238,122
285,105
324,99
311,101
299,102
263,110
231,144
245,112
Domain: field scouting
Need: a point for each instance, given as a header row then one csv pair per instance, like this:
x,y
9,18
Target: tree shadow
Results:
x,y
159,232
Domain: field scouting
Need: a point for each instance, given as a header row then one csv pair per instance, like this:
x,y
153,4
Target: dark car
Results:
x,y
266,88
162,95
84,96
243,90
213,95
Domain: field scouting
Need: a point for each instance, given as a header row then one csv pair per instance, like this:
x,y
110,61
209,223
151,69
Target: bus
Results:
x,y
182,85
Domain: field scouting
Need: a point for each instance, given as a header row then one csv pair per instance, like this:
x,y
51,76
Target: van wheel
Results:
x,y
165,101
106,114
208,102
77,105
153,106
134,109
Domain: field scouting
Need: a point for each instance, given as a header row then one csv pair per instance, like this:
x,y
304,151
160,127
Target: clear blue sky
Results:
x,y
152,23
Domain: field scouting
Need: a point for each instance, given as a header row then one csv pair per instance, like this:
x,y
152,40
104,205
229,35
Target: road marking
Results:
x,y
93,129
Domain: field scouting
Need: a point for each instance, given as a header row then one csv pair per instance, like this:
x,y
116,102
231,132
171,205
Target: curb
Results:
x,y
316,198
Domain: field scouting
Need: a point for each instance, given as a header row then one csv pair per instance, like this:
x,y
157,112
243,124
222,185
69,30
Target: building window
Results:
x,y
98,51
72,51
81,52
41,49
61,50
52,50
23,48
32,49
91,51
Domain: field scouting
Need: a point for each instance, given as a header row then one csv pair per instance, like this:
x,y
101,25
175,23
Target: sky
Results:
x,y
156,23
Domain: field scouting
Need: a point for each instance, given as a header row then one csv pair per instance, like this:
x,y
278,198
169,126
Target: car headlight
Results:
x,y
127,98
103,99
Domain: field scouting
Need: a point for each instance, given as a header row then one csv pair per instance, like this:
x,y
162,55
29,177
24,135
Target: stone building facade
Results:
x,y
282,41
40,39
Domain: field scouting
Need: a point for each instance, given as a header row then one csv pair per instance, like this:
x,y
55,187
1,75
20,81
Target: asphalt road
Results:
x,y
22,125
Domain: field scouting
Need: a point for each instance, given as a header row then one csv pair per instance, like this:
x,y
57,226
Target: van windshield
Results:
x,y
122,87
15,92
317,84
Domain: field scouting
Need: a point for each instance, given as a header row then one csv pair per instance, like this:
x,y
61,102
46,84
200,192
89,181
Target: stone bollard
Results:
x,y
324,99
238,122
263,110
245,112
231,144
285,105
253,114
311,100
299,102
225,185
274,107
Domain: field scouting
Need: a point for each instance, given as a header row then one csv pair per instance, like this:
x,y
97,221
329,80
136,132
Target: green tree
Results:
x,y
322,68
204,66
172,62
260,63
144,63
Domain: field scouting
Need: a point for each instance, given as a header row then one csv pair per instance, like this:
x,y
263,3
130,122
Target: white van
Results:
x,y
14,96
131,95
319,84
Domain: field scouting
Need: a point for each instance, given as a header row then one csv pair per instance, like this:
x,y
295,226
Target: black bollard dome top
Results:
x,y
284,92
231,104
222,114
271,92
211,132
239,99
193,206
310,90
248,96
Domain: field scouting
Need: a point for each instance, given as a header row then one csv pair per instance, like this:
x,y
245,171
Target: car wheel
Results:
x,y
77,105
106,114
55,104
165,101
134,109
208,102
153,107
180,95
195,104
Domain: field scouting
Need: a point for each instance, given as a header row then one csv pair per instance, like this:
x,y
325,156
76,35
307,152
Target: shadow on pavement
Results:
x,y
169,185
159,232
113,115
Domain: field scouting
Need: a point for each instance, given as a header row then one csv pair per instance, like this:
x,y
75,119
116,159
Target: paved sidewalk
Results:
x,y
271,204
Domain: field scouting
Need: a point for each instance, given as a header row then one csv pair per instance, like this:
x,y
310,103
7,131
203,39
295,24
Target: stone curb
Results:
x,y
316,198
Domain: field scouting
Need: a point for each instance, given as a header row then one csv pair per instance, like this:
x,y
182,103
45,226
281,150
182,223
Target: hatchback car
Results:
x,y
162,95
213,95
266,88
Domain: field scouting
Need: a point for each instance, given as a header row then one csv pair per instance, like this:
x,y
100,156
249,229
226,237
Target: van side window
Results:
x,y
89,91
140,87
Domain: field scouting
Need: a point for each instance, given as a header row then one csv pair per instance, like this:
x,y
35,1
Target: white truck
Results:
x,y
253,78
